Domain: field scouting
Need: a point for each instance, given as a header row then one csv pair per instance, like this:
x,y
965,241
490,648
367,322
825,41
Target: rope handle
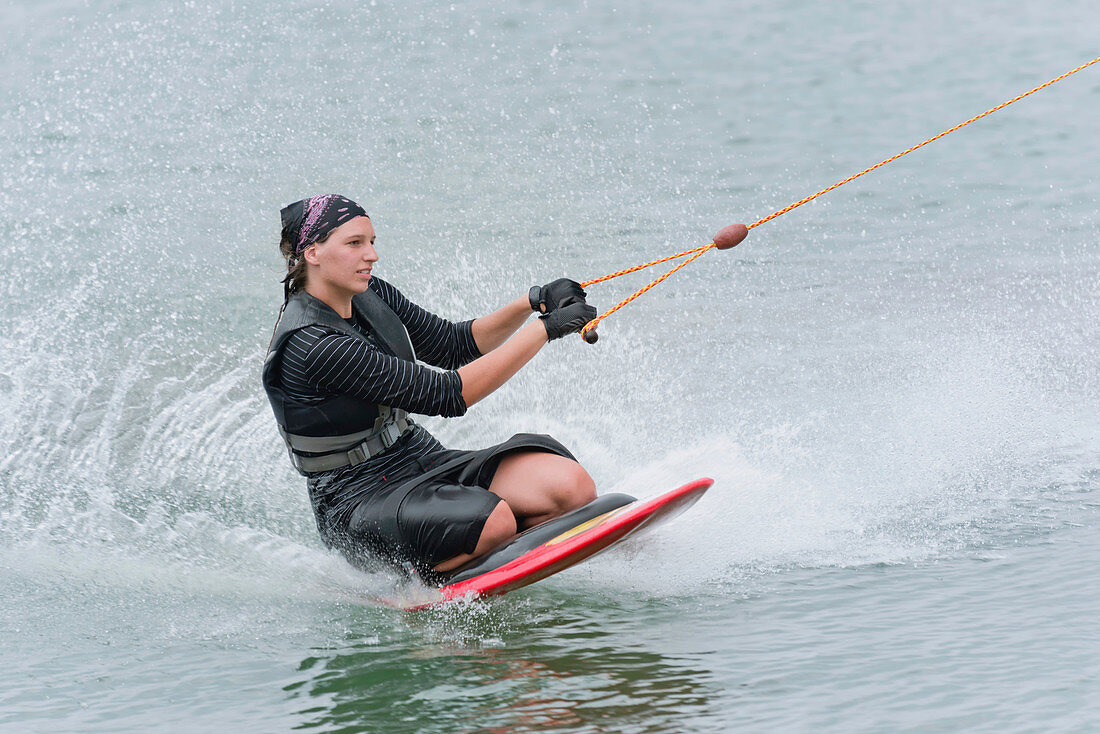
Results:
x,y
588,331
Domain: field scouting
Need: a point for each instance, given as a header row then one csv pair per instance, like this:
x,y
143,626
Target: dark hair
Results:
x,y
295,279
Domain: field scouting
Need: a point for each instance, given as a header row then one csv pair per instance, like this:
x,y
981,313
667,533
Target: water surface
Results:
x,y
896,387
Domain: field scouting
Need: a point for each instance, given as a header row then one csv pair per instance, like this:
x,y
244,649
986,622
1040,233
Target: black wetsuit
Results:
x,y
377,509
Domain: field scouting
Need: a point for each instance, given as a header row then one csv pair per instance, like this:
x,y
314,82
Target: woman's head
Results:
x,y
308,222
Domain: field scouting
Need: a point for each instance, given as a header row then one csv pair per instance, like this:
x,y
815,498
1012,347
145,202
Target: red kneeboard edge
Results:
x,y
574,546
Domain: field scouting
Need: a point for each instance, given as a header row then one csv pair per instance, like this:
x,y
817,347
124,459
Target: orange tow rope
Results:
x,y
698,251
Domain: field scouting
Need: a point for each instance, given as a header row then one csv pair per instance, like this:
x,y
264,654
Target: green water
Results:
x,y
895,387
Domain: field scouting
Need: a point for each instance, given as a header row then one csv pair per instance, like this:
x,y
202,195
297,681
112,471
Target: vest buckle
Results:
x,y
389,435
358,454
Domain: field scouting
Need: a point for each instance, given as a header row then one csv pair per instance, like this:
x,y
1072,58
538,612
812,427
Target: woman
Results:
x,y
342,375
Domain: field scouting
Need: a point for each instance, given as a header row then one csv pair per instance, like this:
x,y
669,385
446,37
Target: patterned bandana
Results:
x,y
310,220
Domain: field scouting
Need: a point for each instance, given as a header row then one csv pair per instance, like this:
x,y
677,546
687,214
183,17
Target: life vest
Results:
x,y
341,430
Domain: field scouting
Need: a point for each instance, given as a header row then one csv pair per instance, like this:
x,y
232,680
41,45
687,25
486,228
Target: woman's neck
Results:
x,y
338,301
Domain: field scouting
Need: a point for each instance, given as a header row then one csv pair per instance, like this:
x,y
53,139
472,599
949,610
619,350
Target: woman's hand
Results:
x,y
556,294
568,319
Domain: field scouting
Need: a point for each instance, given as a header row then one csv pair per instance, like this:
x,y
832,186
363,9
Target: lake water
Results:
x,y
896,387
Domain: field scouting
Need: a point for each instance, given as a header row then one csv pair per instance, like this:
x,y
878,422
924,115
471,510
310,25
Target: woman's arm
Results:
x,y
437,342
318,361
494,329
486,374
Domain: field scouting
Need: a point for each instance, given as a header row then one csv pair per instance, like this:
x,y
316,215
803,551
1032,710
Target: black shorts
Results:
x,y
425,523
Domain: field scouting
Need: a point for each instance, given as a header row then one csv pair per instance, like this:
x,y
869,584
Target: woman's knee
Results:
x,y
577,488
540,484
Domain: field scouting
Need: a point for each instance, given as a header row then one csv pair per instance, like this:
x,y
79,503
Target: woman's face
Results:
x,y
342,263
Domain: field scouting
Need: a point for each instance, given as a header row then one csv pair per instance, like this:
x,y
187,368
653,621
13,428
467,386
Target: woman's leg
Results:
x,y
499,527
539,486
536,486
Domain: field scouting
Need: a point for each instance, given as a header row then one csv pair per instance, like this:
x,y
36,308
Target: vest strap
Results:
x,y
369,444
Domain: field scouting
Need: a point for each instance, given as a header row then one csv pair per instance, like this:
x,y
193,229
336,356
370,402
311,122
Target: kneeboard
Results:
x,y
558,544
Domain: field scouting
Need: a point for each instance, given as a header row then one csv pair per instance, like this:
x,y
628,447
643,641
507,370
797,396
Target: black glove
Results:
x,y
552,296
567,320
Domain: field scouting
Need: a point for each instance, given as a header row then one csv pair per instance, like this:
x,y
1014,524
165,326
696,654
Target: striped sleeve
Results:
x,y
317,358
438,342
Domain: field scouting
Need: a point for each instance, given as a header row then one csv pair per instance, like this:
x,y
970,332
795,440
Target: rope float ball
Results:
x,y
726,238
732,235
